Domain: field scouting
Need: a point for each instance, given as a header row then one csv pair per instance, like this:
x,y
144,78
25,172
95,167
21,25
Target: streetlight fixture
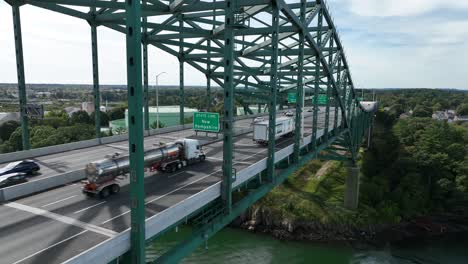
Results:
x,y
157,100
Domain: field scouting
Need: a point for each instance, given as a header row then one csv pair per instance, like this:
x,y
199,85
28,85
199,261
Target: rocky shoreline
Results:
x,y
262,220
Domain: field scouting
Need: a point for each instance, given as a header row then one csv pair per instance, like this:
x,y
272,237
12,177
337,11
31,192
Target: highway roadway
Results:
x,y
53,226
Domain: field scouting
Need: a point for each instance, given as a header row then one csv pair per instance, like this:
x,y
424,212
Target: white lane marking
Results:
x,y
49,247
244,145
89,207
64,199
175,190
175,174
117,146
164,195
235,161
63,219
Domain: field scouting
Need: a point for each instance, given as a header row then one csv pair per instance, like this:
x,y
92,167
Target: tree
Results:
x,y
422,111
81,117
117,113
7,128
462,109
103,117
155,125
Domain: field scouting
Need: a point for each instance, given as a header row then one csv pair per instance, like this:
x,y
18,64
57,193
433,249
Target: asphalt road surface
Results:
x,y
55,225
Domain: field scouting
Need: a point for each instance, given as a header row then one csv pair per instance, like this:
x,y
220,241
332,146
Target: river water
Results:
x,y
233,246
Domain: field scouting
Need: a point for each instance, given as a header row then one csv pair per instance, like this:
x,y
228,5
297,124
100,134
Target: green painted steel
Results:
x,y
254,60
298,131
145,73
21,78
317,80
273,93
135,131
181,75
198,237
205,121
228,109
96,93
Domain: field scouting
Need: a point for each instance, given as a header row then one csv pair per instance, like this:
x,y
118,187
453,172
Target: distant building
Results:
x,y
447,115
461,118
168,115
7,116
404,116
88,107
70,110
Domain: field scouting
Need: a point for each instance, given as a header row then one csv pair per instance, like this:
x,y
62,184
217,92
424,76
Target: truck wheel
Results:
x,y
115,188
104,193
202,157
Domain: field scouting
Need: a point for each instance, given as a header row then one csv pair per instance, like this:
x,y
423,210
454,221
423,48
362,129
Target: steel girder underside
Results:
x,y
256,50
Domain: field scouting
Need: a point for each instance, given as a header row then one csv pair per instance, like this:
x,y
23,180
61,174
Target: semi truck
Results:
x,y
103,177
284,127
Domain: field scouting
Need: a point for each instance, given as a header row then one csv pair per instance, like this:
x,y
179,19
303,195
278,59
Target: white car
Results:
x,y
289,113
258,119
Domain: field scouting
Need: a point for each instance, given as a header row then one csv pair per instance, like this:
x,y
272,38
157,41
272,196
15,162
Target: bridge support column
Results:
x,y
228,115
298,131
181,75
21,77
135,131
351,199
273,93
96,92
208,80
145,74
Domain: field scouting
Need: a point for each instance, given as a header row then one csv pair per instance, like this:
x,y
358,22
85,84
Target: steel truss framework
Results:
x,y
256,50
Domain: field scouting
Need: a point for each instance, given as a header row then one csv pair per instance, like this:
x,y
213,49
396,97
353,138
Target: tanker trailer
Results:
x,y
104,176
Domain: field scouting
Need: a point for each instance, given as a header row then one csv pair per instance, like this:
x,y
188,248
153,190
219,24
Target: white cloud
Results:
x,y
388,8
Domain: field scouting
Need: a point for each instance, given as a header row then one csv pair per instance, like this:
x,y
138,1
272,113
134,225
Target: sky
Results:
x,y
389,44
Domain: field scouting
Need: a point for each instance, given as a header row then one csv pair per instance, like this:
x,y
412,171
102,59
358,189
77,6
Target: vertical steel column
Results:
x,y
208,80
317,79
327,110
273,91
300,87
181,73
145,73
97,94
337,97
135,102
228,115
21,77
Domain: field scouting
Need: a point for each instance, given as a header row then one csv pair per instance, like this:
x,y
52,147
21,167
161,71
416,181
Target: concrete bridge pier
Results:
x,y
351,199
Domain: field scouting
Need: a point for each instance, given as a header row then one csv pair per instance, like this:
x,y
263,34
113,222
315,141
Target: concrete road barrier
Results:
x,y
40,185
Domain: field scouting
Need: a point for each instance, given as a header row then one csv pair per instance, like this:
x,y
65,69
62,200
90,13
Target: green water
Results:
x,y
237,246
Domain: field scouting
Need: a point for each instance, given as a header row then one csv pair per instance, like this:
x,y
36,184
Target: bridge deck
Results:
x,y
54,226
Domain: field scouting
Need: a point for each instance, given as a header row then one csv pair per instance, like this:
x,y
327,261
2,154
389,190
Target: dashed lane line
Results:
x,y
61,200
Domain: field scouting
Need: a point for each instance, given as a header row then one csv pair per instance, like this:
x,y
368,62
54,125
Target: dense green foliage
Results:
x,y
56,128
415,166
423,102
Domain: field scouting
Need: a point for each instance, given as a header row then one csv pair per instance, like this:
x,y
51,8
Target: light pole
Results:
x,y
157,100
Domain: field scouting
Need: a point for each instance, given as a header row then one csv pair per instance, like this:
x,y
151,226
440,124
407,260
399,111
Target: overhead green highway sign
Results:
x,y
292,99
322,99
205,121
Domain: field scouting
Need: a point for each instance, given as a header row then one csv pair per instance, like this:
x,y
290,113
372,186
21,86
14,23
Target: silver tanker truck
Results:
x,y
103,176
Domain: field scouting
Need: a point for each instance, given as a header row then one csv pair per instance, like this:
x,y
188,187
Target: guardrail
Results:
x,y
32,153
114,247
27,188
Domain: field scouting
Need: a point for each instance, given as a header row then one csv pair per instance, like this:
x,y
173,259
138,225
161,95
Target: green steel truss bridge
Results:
x,y
258,51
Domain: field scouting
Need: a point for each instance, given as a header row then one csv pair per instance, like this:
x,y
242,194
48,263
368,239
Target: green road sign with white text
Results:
x,y
204,121
292,99
322,99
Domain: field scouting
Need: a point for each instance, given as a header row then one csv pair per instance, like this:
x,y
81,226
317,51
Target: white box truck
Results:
x,y
284,127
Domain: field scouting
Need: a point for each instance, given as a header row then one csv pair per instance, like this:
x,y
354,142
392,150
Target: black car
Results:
x,y
25,166
12,179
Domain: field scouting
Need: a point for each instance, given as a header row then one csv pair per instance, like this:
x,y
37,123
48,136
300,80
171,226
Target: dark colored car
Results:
x,y
25,166
8,180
